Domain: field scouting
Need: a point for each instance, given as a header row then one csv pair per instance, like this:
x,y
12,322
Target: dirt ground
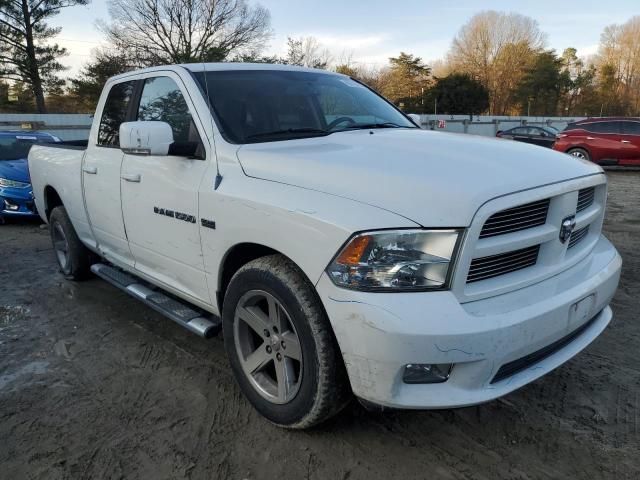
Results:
x,y
93,384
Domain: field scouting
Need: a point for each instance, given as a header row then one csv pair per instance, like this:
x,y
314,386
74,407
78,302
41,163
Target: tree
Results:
x,y
159,32
306,52
25,55
618,63
87,86
405,80
542,85
458,93
495,48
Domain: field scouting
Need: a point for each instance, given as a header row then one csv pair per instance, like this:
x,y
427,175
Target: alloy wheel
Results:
x,y
60,245
268,346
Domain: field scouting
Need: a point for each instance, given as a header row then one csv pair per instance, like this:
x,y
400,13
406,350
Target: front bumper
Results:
x,y
17,202
380,333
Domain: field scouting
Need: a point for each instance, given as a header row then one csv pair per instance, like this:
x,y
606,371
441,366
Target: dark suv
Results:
x,y
606,141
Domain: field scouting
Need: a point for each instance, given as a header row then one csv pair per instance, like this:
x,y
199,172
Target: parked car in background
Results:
x,y
345,249
543,136
606,141
16,195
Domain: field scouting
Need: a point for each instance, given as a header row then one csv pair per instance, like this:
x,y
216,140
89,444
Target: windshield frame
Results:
x,y
203,88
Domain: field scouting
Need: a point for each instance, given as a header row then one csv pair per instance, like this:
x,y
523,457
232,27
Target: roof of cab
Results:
x,y
226,66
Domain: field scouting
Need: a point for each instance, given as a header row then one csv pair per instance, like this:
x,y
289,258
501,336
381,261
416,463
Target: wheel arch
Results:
x,y
51,200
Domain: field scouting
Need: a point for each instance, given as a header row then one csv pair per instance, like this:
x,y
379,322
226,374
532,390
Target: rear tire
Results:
x,y
74,259
579,153
276,328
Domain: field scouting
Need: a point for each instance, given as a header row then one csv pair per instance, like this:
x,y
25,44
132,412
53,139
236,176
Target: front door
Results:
x,y
101,176
160,193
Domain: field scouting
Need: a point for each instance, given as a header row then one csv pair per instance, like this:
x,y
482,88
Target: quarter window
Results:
x,y
163,101
114,113
631,128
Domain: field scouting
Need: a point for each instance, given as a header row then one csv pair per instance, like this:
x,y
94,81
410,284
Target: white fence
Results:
x,y
67,126
75,126
488,126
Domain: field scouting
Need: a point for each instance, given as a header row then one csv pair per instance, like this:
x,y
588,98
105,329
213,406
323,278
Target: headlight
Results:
x,y
5,182
396,260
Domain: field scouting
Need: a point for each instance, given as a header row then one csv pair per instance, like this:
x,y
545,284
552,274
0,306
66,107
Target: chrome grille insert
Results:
x,y
503,263
578,235
517,218
585,198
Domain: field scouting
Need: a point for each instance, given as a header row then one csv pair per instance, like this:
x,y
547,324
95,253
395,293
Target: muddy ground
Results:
x,y
93,384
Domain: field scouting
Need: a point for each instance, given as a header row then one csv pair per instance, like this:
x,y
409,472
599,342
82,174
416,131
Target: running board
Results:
x,y
180,312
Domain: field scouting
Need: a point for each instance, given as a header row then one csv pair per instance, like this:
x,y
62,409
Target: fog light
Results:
x,y
427,372
10,205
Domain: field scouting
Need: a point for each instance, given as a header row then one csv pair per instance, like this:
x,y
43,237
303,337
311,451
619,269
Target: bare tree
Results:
x,y
155,32
618,63
307,52
495,48
25,54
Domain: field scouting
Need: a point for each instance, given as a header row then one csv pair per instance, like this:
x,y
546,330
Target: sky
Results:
x,y
371,31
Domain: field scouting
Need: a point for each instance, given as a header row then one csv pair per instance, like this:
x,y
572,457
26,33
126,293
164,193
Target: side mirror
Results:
x,y
146,138
416,119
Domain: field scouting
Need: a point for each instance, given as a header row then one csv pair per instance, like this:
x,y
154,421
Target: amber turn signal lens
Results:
x,y
352,254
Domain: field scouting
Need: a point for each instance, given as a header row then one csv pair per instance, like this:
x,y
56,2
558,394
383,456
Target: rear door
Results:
x,y
630,140
604,140
160,193
519,134
101,174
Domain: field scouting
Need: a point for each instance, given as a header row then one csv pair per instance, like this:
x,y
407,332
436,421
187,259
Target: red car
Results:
x,y
606,141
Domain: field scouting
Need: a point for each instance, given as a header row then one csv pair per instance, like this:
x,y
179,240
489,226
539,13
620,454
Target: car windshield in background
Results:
x,y
267,105
16,147
551,130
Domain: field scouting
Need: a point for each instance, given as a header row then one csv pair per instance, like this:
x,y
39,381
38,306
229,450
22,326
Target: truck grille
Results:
x,y
516,218
496,247
578,235
494,265
585,198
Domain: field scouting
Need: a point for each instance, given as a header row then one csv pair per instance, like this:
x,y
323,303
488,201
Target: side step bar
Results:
x,y
183,314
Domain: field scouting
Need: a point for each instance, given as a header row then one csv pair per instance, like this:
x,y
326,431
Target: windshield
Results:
x,y
267,105
17,147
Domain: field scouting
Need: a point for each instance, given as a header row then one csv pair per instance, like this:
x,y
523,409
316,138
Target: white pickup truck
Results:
x,y
341,249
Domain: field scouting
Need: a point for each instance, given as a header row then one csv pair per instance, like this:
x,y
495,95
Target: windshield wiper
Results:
x,y
364,126
275,133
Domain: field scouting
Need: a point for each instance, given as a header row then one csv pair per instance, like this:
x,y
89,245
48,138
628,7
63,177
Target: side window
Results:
x,y
114,113
631,128
603,127
519,131
163,101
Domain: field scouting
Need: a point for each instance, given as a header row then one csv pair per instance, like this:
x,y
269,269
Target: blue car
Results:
x,y
16,194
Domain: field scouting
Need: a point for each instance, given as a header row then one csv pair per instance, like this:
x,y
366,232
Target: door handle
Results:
x,y
90,170
625,141
131,177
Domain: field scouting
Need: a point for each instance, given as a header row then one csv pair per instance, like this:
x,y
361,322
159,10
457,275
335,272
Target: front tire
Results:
x,y
74,259
280,345
579,153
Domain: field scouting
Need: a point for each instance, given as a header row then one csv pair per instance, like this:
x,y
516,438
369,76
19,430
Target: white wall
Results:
x,y
489,125
67,126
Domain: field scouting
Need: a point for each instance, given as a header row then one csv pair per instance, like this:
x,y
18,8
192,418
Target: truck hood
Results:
x,y
435,179
17,170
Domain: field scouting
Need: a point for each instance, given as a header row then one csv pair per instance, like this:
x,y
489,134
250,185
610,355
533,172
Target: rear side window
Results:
x,y
603,127
114,113
631,128
163,101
